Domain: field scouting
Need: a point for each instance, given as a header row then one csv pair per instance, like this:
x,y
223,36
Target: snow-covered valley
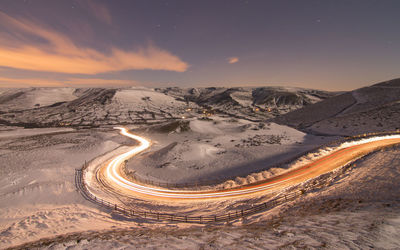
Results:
x,y
197,135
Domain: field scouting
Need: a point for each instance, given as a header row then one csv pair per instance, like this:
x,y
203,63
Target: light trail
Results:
x,y
316,168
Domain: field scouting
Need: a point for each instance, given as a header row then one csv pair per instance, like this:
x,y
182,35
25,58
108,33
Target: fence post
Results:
x,y
185,218
115,206
215,218
242,212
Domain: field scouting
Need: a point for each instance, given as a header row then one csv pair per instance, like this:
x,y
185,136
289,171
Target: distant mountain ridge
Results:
x,y
368,109
243,101
43,107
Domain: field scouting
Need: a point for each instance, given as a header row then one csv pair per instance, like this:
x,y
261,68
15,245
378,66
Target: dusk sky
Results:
x,y
332,45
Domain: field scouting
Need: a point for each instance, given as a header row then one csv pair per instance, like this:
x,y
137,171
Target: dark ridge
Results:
x,y
266,96
7,98
170,127
56,104
97,95
219,98
390,83
367,109
310,114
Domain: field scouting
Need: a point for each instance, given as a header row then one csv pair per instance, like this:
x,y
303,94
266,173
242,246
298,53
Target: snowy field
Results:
x,y
197,135
38,197
217,149
353,207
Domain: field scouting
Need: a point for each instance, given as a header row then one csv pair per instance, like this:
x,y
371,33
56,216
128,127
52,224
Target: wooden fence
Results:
x,y
82,188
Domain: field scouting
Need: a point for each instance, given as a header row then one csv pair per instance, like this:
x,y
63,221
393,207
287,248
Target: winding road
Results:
x,y
113,174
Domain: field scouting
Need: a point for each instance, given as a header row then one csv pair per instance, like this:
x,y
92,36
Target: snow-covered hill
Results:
x,y
369,109
256,104
22,99
223,134
212,151
58,107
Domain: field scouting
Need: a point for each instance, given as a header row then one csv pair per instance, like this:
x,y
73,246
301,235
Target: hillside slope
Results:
x,y
368,109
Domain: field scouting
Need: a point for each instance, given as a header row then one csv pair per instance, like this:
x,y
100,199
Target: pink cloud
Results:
x,y
232,60
6,82
61,54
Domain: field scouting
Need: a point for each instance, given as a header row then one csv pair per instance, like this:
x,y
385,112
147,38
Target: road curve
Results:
x,y
114,177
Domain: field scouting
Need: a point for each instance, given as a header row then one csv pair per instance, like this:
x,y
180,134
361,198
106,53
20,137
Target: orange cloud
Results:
x,y
24,83
73,82
60,54
232,60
